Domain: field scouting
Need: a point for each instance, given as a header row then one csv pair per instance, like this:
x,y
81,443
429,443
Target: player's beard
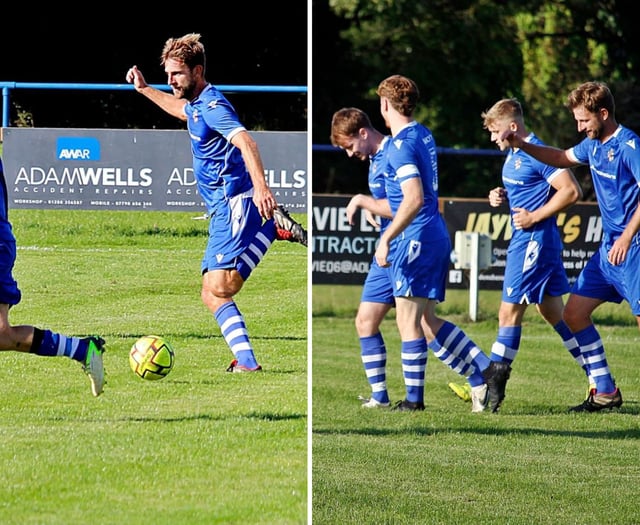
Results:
x,y
595,133
187,92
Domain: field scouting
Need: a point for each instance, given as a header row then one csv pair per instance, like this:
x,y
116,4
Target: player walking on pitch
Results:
x,y
534,273
351,130
29,339
612,153
416,246
230,176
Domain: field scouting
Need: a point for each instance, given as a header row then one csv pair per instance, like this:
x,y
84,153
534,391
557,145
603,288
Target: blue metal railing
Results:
x,y
229,88
441,150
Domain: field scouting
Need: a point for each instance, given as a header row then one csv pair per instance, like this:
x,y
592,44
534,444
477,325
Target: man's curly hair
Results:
x,y
402,93
187,49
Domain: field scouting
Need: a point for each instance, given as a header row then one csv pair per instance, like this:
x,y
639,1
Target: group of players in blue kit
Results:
x,y
411,261
244,217
410,265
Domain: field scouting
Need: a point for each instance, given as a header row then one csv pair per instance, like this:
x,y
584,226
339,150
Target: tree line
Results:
x,y
465,55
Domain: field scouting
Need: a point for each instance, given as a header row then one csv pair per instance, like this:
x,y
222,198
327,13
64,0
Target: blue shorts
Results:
x,y
232,227
602,280
420,269
378,287
9,292
530,274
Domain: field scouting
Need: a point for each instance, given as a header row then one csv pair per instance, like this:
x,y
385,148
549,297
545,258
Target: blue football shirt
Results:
x,y
376,178
528,184
412,153
218,166
615,172
377,286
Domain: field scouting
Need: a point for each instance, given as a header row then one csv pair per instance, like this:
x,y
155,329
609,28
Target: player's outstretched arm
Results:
x,y
172,105
547,154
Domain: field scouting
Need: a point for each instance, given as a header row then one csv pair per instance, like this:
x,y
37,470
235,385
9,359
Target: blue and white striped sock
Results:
x,y
595,358
446,356
570,343
235,334
507,344
414,365
374,359
464,353
51,344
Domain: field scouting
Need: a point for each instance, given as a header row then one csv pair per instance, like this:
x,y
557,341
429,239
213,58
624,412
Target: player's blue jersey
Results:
x,y
377,170
412,154
528,184
6,231
9,292
615,172
218,166
378,287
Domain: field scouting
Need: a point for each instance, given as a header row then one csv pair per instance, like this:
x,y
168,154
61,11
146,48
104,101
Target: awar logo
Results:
x,y
78,148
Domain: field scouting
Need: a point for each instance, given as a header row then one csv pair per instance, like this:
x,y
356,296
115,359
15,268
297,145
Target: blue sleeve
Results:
x,y
581,151
4,200
631,158
222,118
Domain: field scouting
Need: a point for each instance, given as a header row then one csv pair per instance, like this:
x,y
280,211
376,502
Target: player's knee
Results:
x,y
212,293
365,326
573,319
221,284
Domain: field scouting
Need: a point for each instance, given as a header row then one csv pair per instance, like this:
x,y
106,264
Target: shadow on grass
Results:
x,y
207,337
267,416
488,418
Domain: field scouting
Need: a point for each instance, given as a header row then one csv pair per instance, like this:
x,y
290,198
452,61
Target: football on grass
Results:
x,y
151,357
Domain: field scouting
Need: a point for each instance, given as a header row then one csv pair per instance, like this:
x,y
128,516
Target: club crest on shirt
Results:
x,y
195,116
610,155
517,164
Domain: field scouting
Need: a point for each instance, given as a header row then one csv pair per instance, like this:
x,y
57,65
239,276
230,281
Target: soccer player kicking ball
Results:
x,y
230,176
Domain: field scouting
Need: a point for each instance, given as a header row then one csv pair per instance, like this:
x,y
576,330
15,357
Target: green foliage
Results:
x,y
436,44
560,51
465,55
200,446
531,463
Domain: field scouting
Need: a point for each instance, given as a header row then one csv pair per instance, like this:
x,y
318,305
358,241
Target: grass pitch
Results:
x,y
532,463
200,446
